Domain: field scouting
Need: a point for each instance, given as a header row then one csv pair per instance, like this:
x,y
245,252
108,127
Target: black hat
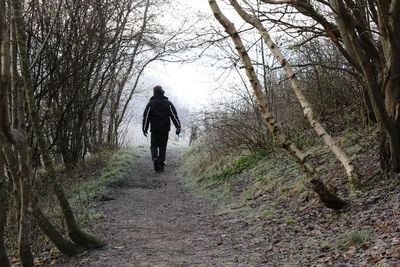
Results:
x,y
158,90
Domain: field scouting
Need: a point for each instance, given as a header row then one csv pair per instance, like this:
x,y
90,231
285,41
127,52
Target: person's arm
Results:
x,y
175,118
146,119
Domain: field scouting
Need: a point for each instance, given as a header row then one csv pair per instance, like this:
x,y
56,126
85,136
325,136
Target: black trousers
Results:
x,y
158,145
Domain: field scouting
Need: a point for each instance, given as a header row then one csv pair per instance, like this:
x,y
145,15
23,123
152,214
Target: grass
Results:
x,y
86,183
243,180
356,237
83,185
290,220
274,191
221,177
266,176
266,211
253,179
326,246
82,193
234,167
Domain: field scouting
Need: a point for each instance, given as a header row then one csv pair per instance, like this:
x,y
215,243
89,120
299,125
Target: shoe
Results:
x,y
161,166
156,164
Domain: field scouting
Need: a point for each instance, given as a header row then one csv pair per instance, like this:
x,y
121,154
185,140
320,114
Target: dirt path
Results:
x,y
153,221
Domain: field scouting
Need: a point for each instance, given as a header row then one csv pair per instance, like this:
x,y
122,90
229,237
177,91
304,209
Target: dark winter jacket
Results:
x,y
158,113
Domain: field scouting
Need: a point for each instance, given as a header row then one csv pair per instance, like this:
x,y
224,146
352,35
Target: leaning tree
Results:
x,y
326,196
367,34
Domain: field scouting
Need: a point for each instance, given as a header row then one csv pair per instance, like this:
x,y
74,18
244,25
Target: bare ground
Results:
x,y
151,220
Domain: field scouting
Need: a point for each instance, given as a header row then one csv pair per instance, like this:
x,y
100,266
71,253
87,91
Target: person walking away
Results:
x,y
158,115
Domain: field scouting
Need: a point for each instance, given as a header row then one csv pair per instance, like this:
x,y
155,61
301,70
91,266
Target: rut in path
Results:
x,y
151,220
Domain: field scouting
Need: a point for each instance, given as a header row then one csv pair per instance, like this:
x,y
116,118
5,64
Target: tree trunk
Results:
x,y
352,173
66,247
112,117
76,234
329,199
368,111
25,221
390,147
372,46
391,90
100,118
18,115
381,75
3,213
21,177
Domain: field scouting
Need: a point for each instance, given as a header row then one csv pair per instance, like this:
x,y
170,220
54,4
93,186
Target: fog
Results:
x,y
191,86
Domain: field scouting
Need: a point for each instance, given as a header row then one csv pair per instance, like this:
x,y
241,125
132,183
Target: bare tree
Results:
x,y
22,148
365,33
352,173
328,198
59,87
75,233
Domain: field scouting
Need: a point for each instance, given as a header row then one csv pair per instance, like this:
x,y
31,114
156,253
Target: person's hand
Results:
x,y
145,134
178,131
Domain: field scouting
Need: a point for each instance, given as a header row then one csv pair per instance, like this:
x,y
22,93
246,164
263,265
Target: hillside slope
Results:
x,y
294,227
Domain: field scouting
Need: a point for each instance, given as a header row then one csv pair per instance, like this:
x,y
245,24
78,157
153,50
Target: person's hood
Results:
x,y
157,90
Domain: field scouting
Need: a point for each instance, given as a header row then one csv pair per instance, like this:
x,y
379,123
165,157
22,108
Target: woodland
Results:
x,y
310,84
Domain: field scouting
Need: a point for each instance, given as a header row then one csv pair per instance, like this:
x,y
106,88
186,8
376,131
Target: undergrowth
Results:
x,y
268,186
83,185
245,177
234,167
84,191
355,237
269,173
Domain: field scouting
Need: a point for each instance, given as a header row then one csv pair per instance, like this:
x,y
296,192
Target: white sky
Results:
x,y
191,84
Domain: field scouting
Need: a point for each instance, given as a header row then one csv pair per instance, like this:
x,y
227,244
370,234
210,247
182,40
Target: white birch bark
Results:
x,y
351,171
328,198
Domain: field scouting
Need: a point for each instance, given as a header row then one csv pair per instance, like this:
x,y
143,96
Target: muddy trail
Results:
x,y
152,220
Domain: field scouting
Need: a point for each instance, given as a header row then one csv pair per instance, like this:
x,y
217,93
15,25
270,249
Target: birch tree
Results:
x,y
366,33
327,197
352,173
